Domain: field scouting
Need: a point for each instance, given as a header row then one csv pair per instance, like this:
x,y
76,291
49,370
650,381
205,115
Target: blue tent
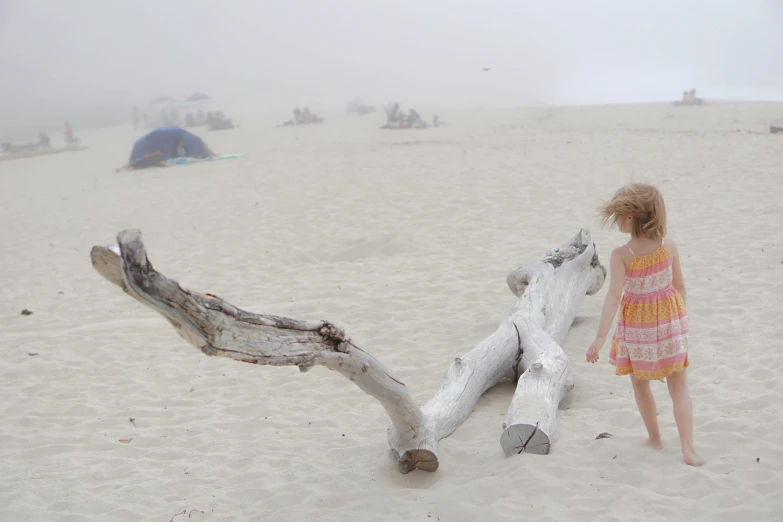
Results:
x,y
160,144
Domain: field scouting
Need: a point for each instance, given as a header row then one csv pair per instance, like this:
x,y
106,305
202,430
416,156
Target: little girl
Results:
x,y
651,340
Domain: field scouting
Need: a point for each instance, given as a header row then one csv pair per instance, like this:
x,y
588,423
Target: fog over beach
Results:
x,y
402,236
90,61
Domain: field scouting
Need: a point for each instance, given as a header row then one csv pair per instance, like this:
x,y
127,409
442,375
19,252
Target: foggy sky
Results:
x,y
70,59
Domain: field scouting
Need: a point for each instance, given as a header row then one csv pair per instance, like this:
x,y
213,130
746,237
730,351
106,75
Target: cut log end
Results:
x,y
422,459
524,438
106,262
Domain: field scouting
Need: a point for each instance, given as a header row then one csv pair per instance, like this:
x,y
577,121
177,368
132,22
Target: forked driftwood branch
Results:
x,y
526,344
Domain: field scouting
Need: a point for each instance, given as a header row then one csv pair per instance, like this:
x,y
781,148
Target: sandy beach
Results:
x,y
404,239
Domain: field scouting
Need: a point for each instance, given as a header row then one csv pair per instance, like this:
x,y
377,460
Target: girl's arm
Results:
x,y
611,303
678,281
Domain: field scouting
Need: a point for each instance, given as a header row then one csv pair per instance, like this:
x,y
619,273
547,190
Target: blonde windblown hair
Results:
x,y
642,202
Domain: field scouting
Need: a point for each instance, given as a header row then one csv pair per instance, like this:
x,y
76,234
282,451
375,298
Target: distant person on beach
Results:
x,y
307,116
694,100
690,98
304,117
69,138
414,118
393,114
179,150
220,122
44,141
647,285
402,119
152,159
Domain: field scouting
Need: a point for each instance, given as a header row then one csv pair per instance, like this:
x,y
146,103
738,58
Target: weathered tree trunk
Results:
x,y
217,328
465,381
550,293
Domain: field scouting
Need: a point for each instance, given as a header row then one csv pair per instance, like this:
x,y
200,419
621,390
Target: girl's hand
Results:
x,y
594,350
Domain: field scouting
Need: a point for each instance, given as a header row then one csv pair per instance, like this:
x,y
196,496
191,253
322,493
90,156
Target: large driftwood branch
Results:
x,y
217,328
550,292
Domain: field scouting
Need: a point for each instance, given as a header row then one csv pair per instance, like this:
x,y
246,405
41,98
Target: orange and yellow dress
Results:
x,y
651,339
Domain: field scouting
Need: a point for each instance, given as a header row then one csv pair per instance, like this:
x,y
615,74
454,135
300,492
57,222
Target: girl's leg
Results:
x,y
683,416
646,403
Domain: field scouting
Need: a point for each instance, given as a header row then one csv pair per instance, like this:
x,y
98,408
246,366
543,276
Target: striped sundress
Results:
x,y
651,339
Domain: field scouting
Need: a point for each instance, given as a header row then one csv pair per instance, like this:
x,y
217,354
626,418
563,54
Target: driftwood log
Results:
x,y
550,292
525,347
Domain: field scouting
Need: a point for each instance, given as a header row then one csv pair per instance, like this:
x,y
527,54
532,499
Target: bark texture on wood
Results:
x,y
465,381
217,328
550,292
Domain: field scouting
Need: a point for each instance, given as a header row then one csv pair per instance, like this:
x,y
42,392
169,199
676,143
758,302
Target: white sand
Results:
x,y
404,239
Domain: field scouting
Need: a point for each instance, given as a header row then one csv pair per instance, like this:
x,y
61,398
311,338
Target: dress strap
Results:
x,y
631,251
663,241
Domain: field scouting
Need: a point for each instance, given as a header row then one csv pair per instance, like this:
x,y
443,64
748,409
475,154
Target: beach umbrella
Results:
x,y
160,144
199,96
163,99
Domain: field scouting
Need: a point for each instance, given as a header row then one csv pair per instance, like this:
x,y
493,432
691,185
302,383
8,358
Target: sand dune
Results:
x,y
404,239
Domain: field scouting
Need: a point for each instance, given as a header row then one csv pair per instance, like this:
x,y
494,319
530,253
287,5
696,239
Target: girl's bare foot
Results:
x,y
691,458
655,444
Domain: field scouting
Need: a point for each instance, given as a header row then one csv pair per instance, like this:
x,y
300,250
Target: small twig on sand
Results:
x,y
185,512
